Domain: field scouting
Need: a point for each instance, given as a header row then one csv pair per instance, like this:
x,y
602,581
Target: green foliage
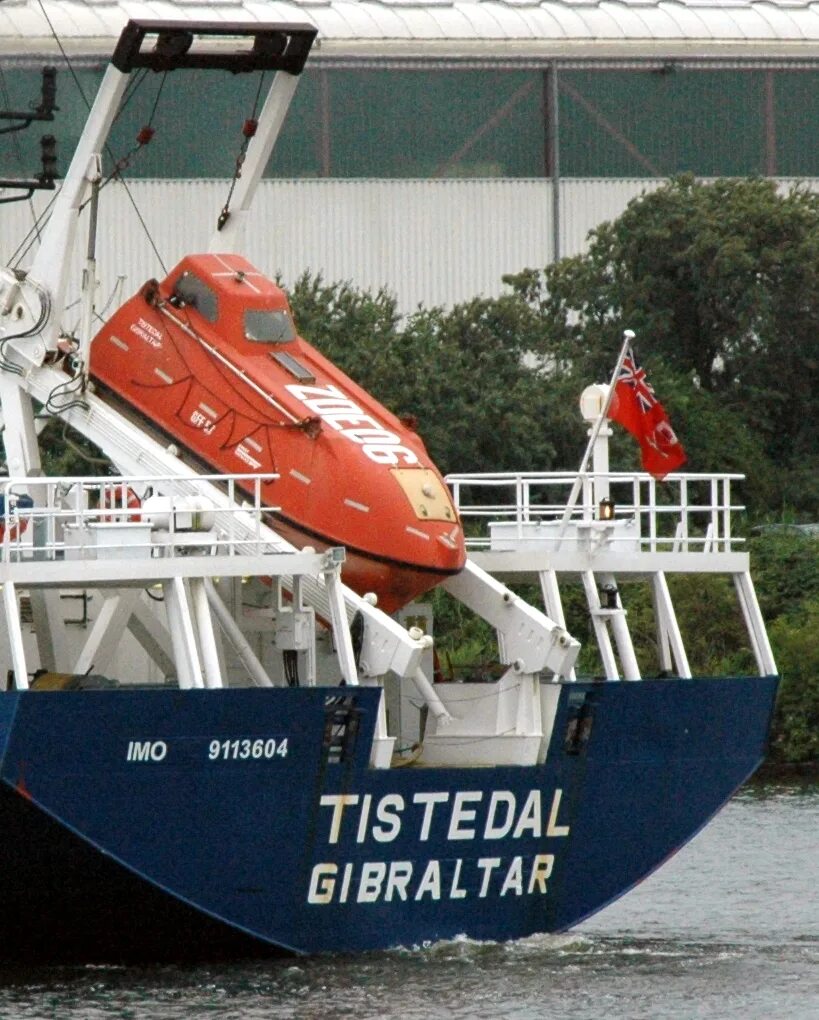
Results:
x,y
711,623
356,329
796,721
65,453
461,638
720,282
460,374
786,569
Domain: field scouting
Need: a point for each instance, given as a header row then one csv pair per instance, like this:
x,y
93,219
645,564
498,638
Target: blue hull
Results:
x,y
165,824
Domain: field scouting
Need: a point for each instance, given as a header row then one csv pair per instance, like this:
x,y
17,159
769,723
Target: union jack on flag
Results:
x,y
632,375
637,409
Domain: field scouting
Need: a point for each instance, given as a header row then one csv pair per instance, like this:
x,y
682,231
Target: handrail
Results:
x,y
687,512
49,518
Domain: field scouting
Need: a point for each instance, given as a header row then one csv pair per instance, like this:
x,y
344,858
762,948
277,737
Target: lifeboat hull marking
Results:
x,y
336,409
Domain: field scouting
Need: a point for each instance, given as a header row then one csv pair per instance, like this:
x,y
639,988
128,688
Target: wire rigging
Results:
x,y
144,136
68,394
144,226
64,55
248,131
33,235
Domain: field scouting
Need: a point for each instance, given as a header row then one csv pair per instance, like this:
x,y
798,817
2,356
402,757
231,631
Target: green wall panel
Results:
x,y
626,124
382,123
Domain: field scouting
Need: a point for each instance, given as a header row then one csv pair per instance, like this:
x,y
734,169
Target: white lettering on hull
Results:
x,y
403,880
146,750
147,332
462,815
456,817
338,411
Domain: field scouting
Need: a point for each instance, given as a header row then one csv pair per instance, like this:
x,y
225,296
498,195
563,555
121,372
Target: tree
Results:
x,y
795,736
720,282
461,374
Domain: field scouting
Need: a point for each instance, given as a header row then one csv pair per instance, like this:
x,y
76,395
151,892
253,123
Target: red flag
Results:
x,y
635,407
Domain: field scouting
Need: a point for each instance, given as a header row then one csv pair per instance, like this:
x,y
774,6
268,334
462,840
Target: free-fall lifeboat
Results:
x,y
211,356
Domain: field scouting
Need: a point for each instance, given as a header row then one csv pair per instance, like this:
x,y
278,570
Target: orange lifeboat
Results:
x,y
211,356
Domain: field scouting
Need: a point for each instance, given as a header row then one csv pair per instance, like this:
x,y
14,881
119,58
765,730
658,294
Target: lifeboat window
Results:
x,y
293,366
269,327
191,291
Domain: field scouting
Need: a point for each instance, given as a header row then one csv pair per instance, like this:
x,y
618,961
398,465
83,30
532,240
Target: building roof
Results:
x,y
358,32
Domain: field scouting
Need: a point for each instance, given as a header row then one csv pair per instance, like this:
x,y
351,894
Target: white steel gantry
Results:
x,y
33,344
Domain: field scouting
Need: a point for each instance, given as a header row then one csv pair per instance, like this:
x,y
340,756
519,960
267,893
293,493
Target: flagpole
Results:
x,y
628,336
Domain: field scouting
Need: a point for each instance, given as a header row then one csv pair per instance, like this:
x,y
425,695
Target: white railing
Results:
x,y
73,517
683,513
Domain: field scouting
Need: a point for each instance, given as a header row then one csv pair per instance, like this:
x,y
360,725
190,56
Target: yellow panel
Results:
x,y
427,494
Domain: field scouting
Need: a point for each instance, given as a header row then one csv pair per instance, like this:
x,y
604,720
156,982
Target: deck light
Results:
x,y
606,509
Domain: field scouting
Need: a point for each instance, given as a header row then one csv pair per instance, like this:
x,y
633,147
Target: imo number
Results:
x,y
242,750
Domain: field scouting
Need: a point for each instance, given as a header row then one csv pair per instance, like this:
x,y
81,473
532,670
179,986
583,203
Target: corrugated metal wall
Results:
x,y
429,242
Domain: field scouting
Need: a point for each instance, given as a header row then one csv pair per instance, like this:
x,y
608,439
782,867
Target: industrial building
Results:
x,y
433,146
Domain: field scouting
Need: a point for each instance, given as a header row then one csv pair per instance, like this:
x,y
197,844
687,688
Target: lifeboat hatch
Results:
x,y
293,366
426,493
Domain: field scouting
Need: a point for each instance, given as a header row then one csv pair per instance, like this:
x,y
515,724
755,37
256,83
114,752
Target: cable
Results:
x,y
15,140
133,86
100,315
64,55
75,448
130,92
24,247
144,136
55,404
144,226
248,131
290,661
45,311
7,104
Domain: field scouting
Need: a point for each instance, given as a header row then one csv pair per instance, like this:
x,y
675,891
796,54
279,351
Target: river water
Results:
x,y
727,929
